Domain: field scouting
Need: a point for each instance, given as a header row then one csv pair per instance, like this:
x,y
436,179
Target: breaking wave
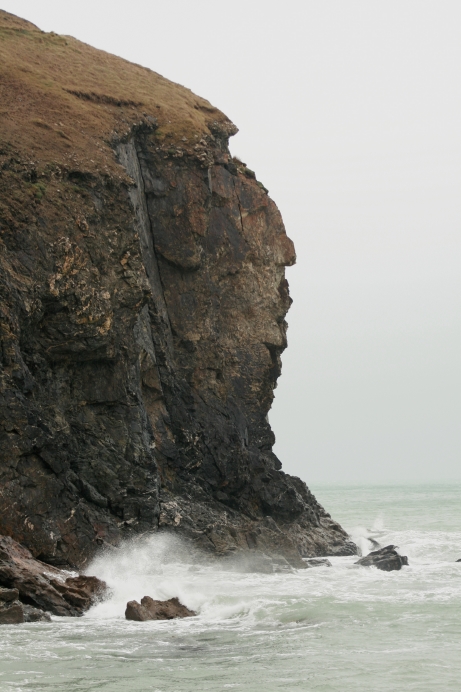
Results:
x,y
342,627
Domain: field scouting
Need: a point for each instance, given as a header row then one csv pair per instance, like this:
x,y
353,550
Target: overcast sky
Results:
x,y
350,113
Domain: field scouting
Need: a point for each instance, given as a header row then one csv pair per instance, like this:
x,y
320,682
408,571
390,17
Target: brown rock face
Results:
x,y
11,614
40,587
7,595
149,609
143,303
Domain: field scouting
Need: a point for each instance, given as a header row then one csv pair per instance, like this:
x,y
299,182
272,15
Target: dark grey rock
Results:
x,y
386,559
32,614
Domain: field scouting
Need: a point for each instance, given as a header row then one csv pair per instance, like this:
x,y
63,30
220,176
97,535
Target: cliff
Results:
x,y
143,297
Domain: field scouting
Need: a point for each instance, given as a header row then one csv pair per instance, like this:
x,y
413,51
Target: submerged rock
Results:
x,y
318,562
386,559
34,587
149,609
255,561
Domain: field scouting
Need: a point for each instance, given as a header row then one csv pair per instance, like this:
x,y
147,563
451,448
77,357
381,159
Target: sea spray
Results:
x,y
164,566
327,628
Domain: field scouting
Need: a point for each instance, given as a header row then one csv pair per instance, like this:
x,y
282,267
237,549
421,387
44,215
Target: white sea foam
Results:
x,y
338,628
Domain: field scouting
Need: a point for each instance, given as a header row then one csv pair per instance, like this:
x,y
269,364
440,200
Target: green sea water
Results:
x,y
338,628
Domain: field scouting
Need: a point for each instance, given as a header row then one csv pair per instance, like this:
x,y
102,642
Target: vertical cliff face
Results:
x,y
143,299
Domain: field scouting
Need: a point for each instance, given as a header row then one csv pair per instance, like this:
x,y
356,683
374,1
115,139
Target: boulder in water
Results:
x,y
149,609
387,559
41,586
255,561
11,613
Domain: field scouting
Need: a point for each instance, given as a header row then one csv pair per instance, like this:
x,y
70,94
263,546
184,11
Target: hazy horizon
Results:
x,y
349,112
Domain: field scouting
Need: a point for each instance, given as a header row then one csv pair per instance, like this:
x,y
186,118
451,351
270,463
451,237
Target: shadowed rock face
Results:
x,y
13,612
143,299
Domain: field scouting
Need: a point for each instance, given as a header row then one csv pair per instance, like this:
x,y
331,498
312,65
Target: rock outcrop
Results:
x,y
143,302
29,589
386,559
13,612
149,609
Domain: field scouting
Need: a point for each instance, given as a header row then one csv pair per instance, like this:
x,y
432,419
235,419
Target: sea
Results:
x,y
341,628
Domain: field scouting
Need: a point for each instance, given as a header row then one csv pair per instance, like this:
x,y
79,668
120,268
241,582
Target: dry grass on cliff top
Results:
x,y
41,118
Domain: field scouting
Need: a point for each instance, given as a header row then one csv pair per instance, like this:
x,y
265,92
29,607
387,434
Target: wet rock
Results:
x,y
319,562
32,614
386,559
11,613
82,591
42,586
149,609
7,595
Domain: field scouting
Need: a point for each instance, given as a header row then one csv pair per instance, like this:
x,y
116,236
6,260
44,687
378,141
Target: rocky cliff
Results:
x,y
143,303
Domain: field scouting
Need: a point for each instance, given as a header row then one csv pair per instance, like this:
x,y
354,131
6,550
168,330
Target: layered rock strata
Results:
x,y
143,303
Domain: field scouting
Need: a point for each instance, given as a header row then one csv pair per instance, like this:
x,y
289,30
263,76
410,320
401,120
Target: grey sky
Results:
x,y
350,113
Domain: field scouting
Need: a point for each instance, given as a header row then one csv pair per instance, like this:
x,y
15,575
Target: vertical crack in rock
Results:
x,y
239,207
128,156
